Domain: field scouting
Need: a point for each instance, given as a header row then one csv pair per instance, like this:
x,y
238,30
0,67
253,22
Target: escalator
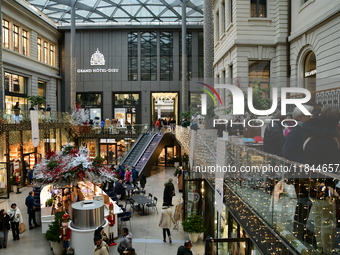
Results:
x,y
139,146
145,151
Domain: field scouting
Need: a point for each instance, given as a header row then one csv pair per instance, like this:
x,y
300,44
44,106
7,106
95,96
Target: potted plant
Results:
x,y
49,202
194,225
53,233
36,100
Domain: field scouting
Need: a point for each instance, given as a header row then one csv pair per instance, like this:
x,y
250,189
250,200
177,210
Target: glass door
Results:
x,y
4,189
109,153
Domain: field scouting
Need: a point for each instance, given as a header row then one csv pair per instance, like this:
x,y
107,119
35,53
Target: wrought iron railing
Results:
x,y
327,98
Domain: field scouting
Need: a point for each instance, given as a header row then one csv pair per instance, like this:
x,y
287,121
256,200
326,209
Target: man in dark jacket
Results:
x,y
293,148
322,146
31,206
273,136
120,189
171,191
185,249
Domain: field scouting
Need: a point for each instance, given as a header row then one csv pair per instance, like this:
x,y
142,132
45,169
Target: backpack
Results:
x,y
120,249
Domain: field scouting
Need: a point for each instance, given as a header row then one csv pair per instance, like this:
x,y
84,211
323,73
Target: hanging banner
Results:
x,y
35,128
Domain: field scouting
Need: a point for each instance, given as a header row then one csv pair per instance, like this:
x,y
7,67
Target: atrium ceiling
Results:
x,y
121,12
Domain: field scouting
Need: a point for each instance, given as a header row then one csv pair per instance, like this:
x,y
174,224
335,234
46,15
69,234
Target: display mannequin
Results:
x,y
65,233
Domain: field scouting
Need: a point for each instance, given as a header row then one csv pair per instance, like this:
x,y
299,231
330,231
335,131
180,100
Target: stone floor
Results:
x,y
147,236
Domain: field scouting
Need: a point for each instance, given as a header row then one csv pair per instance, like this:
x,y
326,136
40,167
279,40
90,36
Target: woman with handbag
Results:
x,y
4,228
16,219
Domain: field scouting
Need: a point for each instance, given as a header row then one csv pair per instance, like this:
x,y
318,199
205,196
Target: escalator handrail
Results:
x,y
132,148
135,144
137,161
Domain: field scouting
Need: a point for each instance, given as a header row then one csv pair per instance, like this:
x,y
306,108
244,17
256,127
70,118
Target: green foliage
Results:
x,y
53,231
260,101
187,114
98,160
193,224
49,202
36,100
52,164
13,180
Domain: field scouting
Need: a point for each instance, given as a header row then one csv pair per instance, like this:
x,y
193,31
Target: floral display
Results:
x,y
69,166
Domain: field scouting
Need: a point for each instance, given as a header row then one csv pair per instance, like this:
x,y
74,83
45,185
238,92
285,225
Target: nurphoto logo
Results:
x,y
239,107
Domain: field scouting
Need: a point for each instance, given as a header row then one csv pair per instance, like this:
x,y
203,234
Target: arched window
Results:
x,y
310,73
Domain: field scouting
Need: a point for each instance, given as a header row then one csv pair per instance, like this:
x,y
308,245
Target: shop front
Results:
x,y
111,150
127,109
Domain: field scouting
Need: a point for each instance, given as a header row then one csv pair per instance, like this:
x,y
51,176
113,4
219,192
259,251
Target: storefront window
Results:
x,y
3,180
15,83
310,73
126,99
89,99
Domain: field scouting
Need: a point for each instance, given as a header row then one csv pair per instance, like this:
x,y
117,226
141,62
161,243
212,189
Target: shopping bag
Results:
x,y
22,228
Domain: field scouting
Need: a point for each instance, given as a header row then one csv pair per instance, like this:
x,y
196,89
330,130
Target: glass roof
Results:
x,y
121,11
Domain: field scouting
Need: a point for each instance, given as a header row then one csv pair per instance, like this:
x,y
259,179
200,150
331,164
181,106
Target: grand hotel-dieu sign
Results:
x,y
97,59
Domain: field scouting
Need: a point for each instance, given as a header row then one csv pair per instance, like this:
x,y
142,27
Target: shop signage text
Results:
x,y
97,70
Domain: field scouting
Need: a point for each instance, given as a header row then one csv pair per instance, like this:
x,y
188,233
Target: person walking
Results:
x,y
101,247
129,251
134,176
126,242
128,176
165,221
142,181
167,195
31,207
4,228
172,191
16,219
120,189
16,110
185,249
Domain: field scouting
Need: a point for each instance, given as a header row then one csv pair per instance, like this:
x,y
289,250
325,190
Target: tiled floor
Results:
x,y
147,236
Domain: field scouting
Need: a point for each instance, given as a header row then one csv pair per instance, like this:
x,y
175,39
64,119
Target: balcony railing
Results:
x,y
328,98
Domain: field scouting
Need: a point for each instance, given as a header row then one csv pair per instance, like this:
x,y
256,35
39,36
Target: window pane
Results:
x,y
16,38
46,52
25,42
166,52
89,99
41,88
133,56
259,74
52,55
258,8
5,35
39,50
149,56
15,83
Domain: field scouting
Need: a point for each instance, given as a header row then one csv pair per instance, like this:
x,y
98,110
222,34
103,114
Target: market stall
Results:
x,y
71,184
